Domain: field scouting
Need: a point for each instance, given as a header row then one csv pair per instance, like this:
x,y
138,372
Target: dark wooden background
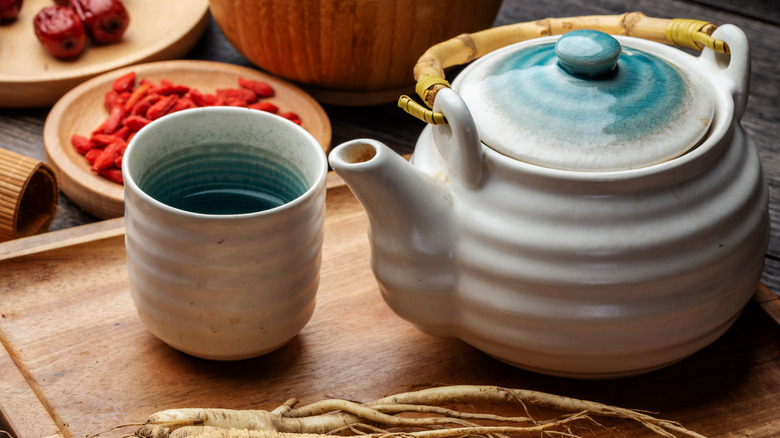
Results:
x,y
21,129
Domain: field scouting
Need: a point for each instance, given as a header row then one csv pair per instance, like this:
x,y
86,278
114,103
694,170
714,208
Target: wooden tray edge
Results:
x,y
61,238
86,233
31,413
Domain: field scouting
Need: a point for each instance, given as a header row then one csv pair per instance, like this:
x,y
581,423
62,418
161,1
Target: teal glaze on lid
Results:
x,y
639,96
592,106
587,53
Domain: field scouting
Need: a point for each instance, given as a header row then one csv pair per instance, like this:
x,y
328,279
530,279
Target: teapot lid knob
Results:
x,y
587,52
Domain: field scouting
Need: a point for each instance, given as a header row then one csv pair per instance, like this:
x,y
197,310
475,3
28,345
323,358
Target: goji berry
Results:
x,y
126,82
110,99
232,94
262,89
114,119
123,97
162,107
183,103
80,143
137,94
170,88
98,130
112,174
201,99
135,123
265,106
92,155
130,109
142,106
108,155
293,117
103,140
122,132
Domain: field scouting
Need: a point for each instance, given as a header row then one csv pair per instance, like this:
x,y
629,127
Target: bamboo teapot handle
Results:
x,y
429,70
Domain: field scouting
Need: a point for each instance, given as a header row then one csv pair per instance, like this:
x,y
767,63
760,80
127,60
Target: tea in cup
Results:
x,y
224,209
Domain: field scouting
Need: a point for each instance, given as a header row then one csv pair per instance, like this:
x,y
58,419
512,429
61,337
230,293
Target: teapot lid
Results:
x,y
585,103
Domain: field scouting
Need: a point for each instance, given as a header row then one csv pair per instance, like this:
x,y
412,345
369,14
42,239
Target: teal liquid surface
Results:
x,y
222,180
229,201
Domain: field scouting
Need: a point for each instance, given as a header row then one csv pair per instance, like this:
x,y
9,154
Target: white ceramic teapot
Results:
x,y
592,208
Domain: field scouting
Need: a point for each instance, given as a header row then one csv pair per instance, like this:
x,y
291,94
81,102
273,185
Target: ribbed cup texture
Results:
x,y
224,209
225,289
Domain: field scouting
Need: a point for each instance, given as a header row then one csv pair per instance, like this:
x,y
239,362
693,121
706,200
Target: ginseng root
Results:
x,y
417,414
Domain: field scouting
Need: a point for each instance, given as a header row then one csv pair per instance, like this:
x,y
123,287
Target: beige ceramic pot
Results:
x,y
356,52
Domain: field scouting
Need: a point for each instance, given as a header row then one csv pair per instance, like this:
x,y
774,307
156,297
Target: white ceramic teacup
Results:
x,y
224,210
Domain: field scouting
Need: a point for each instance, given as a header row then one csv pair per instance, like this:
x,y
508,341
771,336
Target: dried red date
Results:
x,y
9,9
105,20
60,31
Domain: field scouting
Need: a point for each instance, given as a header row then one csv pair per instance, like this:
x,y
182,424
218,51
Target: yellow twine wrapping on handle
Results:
x,y
693,34
688,33
426,83
410,106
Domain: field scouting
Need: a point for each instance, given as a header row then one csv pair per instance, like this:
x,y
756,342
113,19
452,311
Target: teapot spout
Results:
x,y
411,231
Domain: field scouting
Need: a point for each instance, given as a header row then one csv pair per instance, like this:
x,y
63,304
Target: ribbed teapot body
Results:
x,y
579,271
605,274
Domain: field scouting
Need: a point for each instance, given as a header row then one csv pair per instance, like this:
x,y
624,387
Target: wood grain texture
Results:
x,y
28,196
80,361
762,10
347,46
30,77
730,389
21,408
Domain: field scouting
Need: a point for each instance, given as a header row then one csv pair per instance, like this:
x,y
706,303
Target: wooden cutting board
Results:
x,y
76,360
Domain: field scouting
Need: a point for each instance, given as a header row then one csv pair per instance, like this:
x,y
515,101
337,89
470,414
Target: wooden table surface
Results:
x,y
21,131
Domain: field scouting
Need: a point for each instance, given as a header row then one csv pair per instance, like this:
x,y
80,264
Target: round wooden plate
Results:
x,y
158,30
81,111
